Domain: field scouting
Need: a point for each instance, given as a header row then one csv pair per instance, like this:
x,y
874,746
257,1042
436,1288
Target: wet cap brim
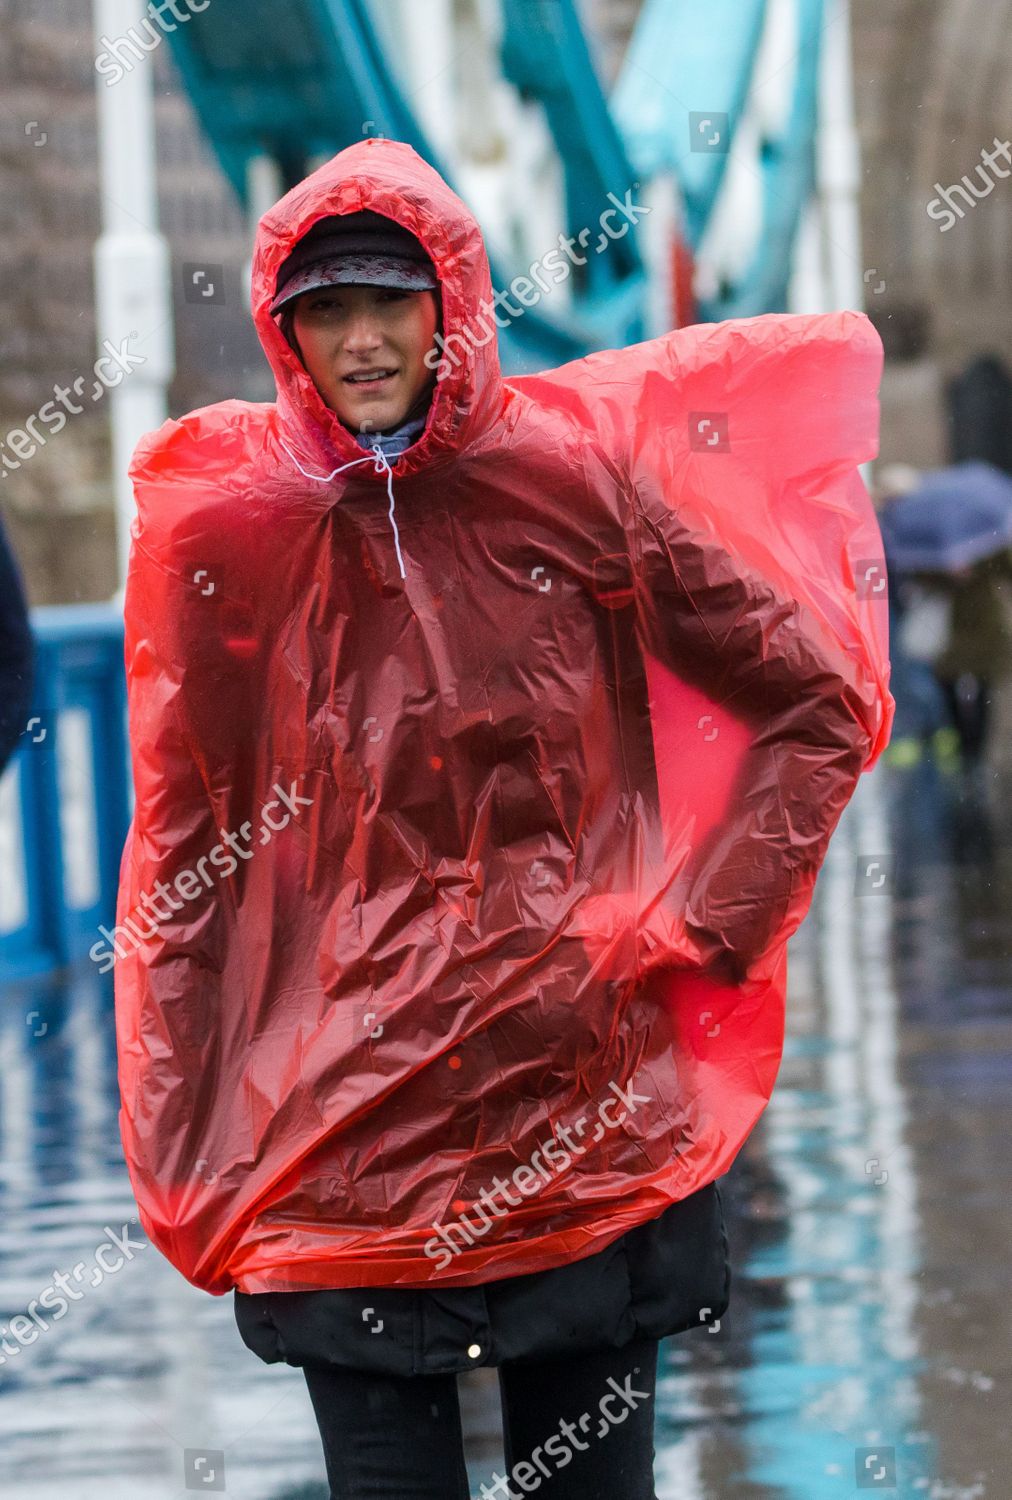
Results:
x,y
358,270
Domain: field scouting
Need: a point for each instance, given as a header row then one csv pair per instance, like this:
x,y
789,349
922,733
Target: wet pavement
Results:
x,y
869,1340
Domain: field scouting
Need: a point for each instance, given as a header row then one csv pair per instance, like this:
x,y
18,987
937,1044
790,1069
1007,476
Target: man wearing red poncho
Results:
x,y
488,735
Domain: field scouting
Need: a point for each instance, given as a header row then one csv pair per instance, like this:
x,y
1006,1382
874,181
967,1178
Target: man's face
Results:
x,y
345,332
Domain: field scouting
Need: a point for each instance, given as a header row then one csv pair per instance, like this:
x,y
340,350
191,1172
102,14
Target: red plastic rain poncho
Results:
x,y
473,885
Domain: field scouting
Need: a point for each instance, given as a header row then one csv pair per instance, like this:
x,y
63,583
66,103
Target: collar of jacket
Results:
x,y
390,178
397,439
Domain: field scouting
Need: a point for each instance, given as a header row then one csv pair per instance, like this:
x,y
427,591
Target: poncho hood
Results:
x,y
386,177
452,921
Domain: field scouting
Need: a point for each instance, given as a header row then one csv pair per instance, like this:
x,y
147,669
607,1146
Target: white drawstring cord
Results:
x,y
383,464
379,461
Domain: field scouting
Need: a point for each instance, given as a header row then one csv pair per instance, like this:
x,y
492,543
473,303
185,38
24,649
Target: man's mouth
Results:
x,y
369,377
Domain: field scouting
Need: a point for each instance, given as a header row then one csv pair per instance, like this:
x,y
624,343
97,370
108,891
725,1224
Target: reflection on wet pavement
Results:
x,y
867,1342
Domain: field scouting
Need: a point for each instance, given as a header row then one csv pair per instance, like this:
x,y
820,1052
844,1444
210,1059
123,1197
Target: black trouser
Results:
x,y
579,1427
969,701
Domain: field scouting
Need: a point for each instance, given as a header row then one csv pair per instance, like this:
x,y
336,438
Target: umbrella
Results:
x,y
955,518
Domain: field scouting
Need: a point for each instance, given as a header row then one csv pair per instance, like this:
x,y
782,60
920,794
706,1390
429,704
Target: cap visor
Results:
x,y
358,270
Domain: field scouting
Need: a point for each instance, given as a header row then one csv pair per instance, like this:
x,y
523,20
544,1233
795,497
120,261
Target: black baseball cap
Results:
x,y
360,249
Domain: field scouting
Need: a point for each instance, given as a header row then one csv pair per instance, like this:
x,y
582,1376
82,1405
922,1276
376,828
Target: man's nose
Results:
x,y
362,334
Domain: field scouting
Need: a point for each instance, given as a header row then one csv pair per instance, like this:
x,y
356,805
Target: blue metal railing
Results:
x,y
65,796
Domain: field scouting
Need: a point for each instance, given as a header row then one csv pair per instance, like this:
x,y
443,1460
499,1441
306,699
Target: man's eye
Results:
x,y
321,302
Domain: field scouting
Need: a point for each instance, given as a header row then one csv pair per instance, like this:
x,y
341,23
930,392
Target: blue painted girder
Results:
x,y
681,62
680,66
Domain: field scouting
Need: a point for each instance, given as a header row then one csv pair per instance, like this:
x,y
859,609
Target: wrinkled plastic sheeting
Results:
x,y
473,885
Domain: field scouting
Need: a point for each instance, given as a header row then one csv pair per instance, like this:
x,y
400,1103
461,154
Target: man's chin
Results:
x,y
371,417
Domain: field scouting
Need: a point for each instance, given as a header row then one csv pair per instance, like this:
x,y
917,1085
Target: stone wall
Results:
x,y
58,507
934,88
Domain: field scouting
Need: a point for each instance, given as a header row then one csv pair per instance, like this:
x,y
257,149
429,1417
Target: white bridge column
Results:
x,y
428,47
839,163
133,281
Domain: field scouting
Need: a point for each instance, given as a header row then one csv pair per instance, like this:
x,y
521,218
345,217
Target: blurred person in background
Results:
x,y
16,654
918,631
977,655
950,617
